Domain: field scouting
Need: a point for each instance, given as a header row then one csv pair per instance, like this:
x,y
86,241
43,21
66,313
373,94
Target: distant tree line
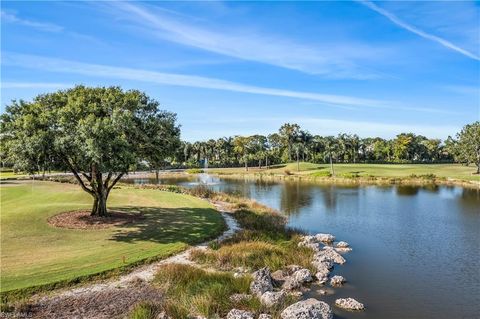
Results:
x,y
292,143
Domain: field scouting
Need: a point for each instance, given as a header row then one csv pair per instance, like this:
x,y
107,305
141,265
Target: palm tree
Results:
x,y
289,133
241,147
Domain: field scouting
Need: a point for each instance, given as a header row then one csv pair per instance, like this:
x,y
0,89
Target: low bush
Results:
x,y
194,171
351,175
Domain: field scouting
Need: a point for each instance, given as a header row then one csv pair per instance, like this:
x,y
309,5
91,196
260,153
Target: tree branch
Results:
x,y
115,182
79,179
109,176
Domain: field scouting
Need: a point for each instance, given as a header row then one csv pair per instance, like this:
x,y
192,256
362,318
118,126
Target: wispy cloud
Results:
x,y
33,85
396,20
43,26
97,70
331,60
113,72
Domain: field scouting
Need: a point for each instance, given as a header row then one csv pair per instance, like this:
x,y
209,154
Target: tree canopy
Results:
x,y
466,148
97,133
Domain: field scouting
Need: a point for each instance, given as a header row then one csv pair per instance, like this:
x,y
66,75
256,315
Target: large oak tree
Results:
x,y
97,133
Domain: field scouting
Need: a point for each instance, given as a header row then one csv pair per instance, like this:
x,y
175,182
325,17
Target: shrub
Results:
x,y
194,171
351,175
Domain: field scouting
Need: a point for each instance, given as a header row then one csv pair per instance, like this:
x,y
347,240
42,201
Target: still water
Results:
x,y
416,250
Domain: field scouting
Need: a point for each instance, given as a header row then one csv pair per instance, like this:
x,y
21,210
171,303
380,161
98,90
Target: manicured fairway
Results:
x,y
35,253
455,171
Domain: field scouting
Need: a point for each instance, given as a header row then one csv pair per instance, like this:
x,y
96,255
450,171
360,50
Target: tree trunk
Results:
x,y
331,165
298,163
156,175
100,205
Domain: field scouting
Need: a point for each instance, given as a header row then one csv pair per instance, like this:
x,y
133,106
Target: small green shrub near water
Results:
x,y
194,171
351,175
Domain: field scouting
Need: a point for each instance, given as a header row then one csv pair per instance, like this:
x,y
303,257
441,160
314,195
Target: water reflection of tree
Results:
x,y
407,190
294,196
330,194
471,198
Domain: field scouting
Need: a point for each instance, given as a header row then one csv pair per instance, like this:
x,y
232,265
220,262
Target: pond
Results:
x,y
416,250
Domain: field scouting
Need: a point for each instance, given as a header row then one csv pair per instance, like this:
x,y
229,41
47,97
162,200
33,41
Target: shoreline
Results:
x,y
354,181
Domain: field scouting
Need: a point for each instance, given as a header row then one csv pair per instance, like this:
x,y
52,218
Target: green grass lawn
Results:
x,y
35,253
455,171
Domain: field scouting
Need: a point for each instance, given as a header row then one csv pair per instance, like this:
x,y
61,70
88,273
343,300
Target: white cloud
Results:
x,y
113,72
97,70
331,60
43,26
418,31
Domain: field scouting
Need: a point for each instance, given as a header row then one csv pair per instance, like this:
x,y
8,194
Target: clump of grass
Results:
x,y
430,177
144,310
321,174
202,191
194,171
351,175
193,291
252,254
264,240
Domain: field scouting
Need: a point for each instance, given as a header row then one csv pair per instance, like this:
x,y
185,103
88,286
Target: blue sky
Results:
x,y
227,68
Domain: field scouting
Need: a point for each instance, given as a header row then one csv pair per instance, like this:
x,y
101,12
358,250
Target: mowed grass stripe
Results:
x,y
35,253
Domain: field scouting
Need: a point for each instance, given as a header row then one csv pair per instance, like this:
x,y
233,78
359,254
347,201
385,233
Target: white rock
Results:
x,y
349,304
342,244
322,279
313,246
308,309
291,283
302,275
262,282
290,269
322,264
271,298
343,247
328,253
337,281
264,316
325,238
239,314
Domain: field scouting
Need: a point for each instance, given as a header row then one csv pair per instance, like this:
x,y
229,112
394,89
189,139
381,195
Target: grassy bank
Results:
x,y
365,173
263,241
35,253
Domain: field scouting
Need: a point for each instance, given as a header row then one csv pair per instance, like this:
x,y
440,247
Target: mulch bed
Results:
x,y
82,220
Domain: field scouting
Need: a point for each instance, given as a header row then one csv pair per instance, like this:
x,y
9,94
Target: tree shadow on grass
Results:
x,y
170,225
